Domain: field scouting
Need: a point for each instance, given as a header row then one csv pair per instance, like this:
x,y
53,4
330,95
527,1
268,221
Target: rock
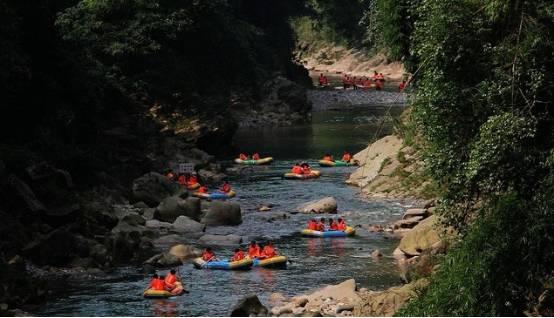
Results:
x,y
172,207
133,219
184,252
129,241
223,213
141,205
155,224
407,223
325,205
276,299
298,311
153,187
343,291
376,254
164,260
99,254
187,225
431,210
388,302
210,177
250,306
429,203
343,307
300,301
420,238
56,248
148,214
220,240
414,212
168,240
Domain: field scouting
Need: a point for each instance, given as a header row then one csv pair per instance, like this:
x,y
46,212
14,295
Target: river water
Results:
x,y
314,261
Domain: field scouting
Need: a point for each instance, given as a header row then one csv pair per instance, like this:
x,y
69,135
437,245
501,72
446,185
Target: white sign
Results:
x,y
186,167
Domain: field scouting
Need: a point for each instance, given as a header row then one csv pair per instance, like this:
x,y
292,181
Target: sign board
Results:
x,y
186,167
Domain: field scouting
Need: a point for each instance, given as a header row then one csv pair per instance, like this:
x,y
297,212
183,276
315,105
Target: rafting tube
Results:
x,y
278,261
312,175
263,161
336,163
243,264
218,195
152,293
193,186
348,232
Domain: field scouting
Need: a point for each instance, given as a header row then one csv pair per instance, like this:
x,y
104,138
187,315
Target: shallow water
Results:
x,y
314,261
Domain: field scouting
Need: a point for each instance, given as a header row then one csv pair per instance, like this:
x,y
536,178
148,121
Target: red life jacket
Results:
x,y
254,251
207,256
226,188
346,157
202,189
269,252
182,180
192,180
320,226
312,226
306,170
341,226
243,157
157,284
256,156
333,226
238,256
297,169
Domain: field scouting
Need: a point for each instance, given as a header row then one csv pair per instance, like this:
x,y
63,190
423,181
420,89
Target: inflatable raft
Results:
x,y
215,195
151,293
348,232
263,161
244,264
278,261
193,186
312,175
336,163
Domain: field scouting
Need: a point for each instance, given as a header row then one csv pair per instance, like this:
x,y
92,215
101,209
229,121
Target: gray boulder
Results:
x,y
210,177
184,252
163,260
220,240
133,219
173,207
325,205
249,306
185,224
153,187
223,213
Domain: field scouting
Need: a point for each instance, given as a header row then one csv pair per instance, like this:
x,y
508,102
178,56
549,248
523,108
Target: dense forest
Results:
x,y
74,73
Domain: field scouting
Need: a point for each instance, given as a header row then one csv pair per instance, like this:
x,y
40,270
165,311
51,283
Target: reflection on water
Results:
x,y
313,261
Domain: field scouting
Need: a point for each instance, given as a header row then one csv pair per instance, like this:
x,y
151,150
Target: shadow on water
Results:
x,y
313,261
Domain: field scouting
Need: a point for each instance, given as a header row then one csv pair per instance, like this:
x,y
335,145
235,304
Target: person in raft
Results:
x,y
333,226
243,156
208,255
341,225
323,80
202,189
182,180
170,282
328,157
192,180
312,225
238,256
254,250
346,157
256,156
306,168
225,188
321,225
156,283
269,251
297,169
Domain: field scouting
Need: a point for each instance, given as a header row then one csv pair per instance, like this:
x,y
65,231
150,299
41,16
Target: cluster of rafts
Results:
x,y
276,262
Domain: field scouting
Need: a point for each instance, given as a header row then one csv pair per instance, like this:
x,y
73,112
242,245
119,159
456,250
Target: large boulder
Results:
x,y
345,291
220,240
184,252
163,260
153,187
210,177
421,238
185,224
387,303
249,306
130,241
325,205
173,207
223,213
56,248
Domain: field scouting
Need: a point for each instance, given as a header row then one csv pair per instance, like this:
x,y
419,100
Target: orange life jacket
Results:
x,y
297,169
238,256
243,156
320,226
157,284
226,188
346,157
269,251
312,226
341,226
202,189
256,156
254,251
182,180
207,256
306,170
402,86
333,226
192,180
170,280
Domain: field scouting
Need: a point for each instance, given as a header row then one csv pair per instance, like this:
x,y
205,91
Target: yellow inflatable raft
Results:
x,y
348,232
151,293
218,195
313,174
226,265
263,161
278,261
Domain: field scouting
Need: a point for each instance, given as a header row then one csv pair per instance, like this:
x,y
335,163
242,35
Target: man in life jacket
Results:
x,y
328,157
225,188
208,255
321,225
239,255
269,251
345,81
192,180
202,189
182,180
170,280
367,83
312,225
254,250
256,156
243,157
346,157
333,225
306,168
375,76
297,169
341,225
402,86
156,283
381,77
322,80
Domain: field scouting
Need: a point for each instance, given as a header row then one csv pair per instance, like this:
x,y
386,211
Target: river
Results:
x,y
314,261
